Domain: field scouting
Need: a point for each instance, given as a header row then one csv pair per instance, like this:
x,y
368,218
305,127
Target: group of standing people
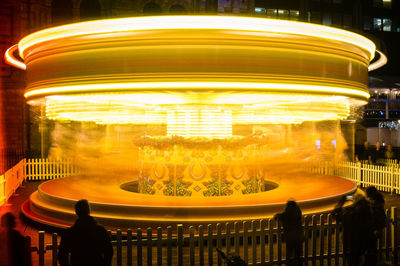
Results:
x,y
87,243
375,155
362,221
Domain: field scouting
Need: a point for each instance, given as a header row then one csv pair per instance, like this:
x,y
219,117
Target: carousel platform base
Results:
x,y
53,203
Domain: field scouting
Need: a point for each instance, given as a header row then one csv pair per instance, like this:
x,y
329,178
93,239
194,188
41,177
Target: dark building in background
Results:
x,y
376,19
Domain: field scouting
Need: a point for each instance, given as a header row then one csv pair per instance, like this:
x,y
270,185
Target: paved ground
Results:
x,y
31,229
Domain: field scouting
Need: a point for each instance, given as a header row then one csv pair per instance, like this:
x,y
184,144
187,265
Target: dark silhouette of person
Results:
x,y
365,154
389,154
293,233
14,249
86,242
377,154
377,203
356,220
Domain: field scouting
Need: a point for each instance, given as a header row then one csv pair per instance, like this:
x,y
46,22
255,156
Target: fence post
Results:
x,y
24,169
159,246
210,244
254,241
246,241
191,245
169,246
262,241
139,247
358,174
321,238
129,247
392,179
314,240
28,243
393,217
306,238
54,249
180,245
219,243
228,237
279,240
41,249
150,246
201,245
119,248
271,240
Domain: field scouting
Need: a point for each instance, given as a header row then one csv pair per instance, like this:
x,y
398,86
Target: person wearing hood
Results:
x,y
86,242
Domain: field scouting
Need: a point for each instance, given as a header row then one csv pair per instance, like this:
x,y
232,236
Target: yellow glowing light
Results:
x,y
10,58
185,114
223,23
271,87
202,76
379,63
199,123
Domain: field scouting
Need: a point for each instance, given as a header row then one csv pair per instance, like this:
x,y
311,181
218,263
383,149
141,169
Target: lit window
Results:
x,y
327,19
272,13
283,14
387,24
377,24
387,3
260,10
294,14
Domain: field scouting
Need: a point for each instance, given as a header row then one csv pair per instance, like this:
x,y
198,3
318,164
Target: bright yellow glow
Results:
x,y
10,58
185,114
265,87
223,23
202,76
199,123
379,63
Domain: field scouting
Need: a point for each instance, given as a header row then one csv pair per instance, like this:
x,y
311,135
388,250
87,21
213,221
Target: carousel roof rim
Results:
x,y
249,24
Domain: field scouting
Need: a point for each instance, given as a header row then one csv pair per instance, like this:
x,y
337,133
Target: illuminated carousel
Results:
x,y
192,119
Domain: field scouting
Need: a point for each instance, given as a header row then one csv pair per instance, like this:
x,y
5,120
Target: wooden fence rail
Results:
x,y
257,242
46,169
11,180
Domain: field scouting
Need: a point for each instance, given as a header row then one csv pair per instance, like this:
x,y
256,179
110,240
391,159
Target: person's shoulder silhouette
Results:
x,y
86,242
13,246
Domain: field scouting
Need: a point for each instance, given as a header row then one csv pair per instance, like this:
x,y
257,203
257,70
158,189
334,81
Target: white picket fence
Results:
x,y
46,169
257,242
383,177
33,170
11,180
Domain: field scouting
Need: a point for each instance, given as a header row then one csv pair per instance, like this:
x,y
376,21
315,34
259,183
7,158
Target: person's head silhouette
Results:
x,y
82,208
8,220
